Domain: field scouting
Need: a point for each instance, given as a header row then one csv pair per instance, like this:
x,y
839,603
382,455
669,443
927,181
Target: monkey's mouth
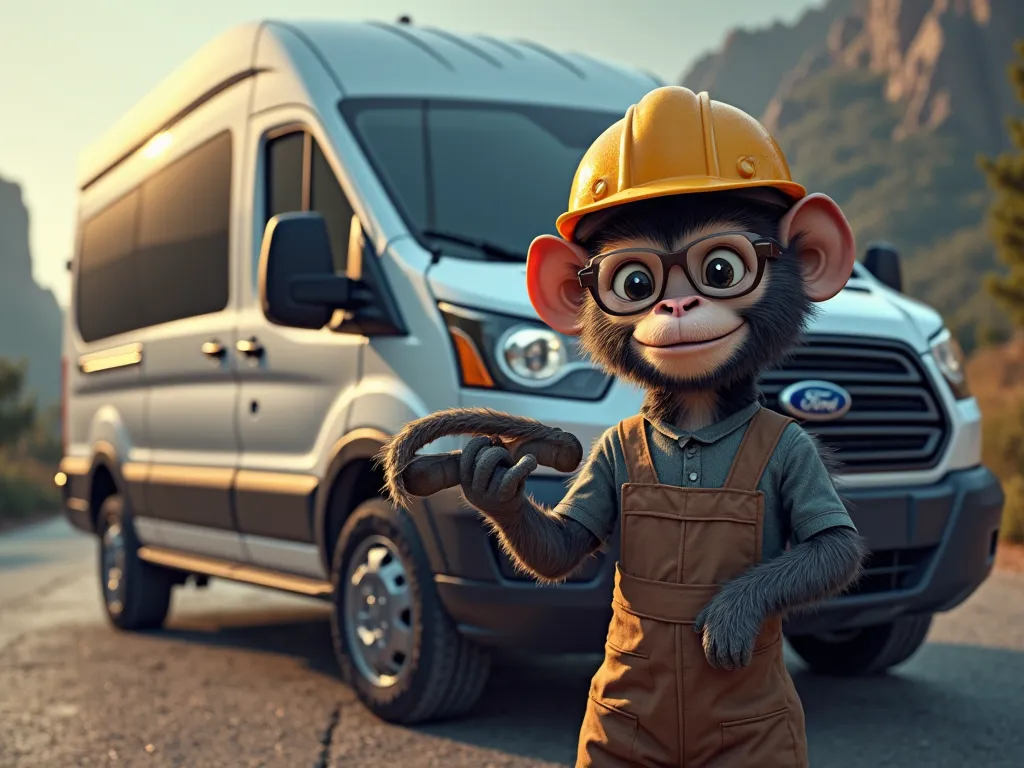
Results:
x,y
692,345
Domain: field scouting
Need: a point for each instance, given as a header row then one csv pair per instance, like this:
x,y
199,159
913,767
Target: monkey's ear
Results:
x,y
827,246
552,265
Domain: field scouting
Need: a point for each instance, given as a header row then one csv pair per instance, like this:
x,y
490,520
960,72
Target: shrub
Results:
x,y
26,489
1003,453
29,449
1013,512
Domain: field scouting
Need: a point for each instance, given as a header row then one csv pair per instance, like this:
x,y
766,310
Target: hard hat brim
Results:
x,y
566,223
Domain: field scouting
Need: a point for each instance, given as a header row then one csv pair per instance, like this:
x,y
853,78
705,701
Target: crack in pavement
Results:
x,y
327,739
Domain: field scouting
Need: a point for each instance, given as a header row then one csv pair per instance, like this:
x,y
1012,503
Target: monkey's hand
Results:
x,y
490,480
730,623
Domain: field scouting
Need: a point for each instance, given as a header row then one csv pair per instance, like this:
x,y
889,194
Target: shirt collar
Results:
x,y
713,432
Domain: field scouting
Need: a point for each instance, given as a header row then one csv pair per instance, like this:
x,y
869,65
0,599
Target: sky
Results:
x,y
73,67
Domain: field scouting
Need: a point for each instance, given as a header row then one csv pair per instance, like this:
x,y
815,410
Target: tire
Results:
x,y
136,594
432,672
867,651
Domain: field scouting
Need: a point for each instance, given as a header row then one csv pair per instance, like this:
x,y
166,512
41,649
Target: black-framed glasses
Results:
x,y
723,265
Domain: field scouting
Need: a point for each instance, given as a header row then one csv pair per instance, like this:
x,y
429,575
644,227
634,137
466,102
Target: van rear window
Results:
x,y
484,171
160,253
108,281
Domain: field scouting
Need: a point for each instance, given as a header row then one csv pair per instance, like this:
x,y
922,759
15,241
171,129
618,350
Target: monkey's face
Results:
x,y
684,309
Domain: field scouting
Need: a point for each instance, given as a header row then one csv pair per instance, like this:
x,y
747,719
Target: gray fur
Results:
x,y
541,543
823,566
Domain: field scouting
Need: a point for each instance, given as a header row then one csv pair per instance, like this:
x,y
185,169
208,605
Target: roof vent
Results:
x,y
405,19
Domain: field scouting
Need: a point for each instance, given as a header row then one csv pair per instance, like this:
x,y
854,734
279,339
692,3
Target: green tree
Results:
x,y
1006,177
17,415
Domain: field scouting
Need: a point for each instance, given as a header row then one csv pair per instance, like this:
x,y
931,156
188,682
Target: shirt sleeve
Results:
x,y
809,496
592,500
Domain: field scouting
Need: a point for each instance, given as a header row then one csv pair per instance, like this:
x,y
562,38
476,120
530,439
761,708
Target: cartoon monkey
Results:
x,y
689,262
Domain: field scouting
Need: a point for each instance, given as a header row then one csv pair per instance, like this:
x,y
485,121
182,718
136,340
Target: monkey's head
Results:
x,y
689,260
692,292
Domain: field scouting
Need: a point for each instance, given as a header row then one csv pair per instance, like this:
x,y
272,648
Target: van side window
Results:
x,y
107,301
182,246
299,178
160,253
327,198
284,173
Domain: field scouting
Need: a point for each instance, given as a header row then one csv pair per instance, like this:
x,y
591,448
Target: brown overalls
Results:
x,y
656,701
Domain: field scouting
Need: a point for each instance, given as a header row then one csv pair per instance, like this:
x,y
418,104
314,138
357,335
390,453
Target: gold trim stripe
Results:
x,y
105,360
234,571
75,465
252,481
78,505
197,477
249,481
134,471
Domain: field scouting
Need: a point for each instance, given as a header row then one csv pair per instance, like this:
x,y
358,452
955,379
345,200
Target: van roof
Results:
x,y
367,59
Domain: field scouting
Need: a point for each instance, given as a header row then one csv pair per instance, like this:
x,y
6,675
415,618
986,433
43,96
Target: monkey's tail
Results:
x,y
552,447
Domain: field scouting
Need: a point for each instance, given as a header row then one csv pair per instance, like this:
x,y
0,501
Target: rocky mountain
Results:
x,y
885,105
30,318
751,64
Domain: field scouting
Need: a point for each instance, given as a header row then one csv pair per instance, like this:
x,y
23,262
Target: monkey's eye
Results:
x,y
633,282
723,268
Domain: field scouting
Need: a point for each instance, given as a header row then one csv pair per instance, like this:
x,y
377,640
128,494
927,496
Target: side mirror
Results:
x,y
883,261
297,283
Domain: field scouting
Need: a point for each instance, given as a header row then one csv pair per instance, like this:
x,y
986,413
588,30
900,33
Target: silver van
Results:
x,y
312,233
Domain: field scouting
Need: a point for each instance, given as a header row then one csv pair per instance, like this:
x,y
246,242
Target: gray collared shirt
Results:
x,y
800,497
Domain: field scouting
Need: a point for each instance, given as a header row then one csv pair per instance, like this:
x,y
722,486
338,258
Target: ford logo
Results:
x,y
815,400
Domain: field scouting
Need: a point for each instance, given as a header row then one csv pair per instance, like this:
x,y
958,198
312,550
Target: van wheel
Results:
x,y
867,651
396,646
136,594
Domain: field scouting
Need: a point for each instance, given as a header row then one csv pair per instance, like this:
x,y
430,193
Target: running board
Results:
x,y
223,569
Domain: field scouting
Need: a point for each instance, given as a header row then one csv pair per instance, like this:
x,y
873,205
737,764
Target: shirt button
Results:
x,y
691,452
693,477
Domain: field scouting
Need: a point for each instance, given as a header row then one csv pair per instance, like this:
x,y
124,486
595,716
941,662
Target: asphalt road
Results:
x,y
245,678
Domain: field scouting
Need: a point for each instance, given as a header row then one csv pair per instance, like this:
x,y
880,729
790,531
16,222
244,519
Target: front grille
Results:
x,y
891,570
895,422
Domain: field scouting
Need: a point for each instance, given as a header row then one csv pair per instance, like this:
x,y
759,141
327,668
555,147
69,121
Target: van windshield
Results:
x,y
478,179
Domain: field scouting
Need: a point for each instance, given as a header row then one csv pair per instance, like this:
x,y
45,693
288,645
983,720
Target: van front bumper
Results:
x,y
932,547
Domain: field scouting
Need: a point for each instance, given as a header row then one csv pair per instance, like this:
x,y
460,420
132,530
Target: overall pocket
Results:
x,y
765,741
624,678
606,732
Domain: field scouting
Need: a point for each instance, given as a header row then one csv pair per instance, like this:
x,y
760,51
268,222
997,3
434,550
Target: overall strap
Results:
x,y
756,449
633,438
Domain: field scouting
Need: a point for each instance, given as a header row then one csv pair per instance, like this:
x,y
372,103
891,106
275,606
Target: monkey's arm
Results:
x,y
541,542
549,544
819,568
826,560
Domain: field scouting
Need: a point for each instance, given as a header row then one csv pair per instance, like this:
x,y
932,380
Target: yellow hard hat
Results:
x,y
675,142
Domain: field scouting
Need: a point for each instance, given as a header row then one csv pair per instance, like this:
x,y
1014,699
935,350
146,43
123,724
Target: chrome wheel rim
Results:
x,y
113,567
379,612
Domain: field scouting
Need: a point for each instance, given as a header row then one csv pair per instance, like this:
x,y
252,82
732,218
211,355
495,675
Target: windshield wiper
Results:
x,y
496,252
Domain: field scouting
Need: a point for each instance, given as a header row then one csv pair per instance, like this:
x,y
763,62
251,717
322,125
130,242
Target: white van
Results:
x,y
313,233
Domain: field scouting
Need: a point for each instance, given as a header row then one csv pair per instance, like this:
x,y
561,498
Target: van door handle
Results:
x,y
249,347
213,349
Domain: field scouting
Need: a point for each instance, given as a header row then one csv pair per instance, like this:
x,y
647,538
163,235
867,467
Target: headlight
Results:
x,y
532,355
517,355
950,359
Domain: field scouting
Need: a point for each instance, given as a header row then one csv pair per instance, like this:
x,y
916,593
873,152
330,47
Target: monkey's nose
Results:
x,y
678,306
